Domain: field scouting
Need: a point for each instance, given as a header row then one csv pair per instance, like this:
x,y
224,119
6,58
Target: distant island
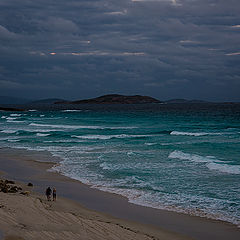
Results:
x,y
47,101
114,99
185,101
8,102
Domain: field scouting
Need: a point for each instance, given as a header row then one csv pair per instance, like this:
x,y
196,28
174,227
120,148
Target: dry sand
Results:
x,y
33,217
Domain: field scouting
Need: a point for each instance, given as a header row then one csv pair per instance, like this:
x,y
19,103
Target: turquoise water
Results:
x,y
185,160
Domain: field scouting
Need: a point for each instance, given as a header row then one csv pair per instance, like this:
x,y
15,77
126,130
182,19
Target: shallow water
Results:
x,y
184,158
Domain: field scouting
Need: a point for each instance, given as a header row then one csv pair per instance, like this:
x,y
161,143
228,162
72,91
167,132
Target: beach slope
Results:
x,y
33,217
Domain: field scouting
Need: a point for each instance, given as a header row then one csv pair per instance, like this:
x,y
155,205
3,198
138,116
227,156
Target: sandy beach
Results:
x,y
32,217
81,212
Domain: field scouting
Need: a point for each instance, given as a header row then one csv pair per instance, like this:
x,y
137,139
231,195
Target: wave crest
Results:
x,y
211,162
42,135
76,126
190,133
106,137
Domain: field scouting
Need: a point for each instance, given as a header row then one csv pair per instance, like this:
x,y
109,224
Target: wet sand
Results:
x,y
23,166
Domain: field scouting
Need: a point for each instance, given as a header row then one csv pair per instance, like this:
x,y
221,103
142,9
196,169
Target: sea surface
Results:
x,y
179,157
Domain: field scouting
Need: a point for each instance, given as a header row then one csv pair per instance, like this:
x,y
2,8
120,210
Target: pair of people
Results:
x,y
50,192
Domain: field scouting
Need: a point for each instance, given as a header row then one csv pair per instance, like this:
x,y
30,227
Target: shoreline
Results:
x,y
54,163
27,215
23,165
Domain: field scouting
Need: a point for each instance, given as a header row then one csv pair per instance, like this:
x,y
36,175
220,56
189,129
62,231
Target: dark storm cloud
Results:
x,y
78,49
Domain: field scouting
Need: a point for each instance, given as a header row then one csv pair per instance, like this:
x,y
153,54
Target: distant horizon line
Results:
x,y
76,99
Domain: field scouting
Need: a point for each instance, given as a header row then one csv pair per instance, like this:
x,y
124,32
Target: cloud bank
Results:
x,y
78,49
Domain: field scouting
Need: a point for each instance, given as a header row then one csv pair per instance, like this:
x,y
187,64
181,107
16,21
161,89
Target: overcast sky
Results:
x,y
77,49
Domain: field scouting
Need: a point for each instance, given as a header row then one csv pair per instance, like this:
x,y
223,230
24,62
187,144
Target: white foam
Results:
x,y
11,118
210,161
32,110
4,117
105,166
42,135
15,115
41,130
64,141
103,137
9,131
119,127
106,137
145,198
77,126
162,201
189,133
224,168
192,157
12,121
6,138
150,144
132,153
71,110
38,130
53,126
122,127
30,148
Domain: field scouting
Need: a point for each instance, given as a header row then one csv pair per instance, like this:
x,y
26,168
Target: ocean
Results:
x,y
178,157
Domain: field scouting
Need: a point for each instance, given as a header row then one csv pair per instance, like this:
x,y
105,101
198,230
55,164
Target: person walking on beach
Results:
x,y
54,194
48,193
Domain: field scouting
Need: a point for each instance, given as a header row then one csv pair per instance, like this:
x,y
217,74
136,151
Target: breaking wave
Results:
x,y
42,135
211,162
77,126
192,133
106,137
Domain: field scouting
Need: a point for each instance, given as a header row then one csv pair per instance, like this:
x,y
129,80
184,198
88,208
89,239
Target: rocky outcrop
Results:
x,y
7,186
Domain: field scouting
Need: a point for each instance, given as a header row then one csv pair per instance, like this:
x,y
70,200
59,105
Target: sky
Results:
x,y
76,49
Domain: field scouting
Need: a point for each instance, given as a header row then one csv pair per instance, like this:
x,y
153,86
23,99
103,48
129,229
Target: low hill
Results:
x,y
13,100
47,101
115,99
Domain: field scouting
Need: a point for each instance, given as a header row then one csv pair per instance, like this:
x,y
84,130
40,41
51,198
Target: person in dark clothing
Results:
x,y
48,193
54,194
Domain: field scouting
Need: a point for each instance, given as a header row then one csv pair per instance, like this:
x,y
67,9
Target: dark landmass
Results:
x,y
10,109
122,99
47,101
184,101
137,101
176,101
13,100
115,99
